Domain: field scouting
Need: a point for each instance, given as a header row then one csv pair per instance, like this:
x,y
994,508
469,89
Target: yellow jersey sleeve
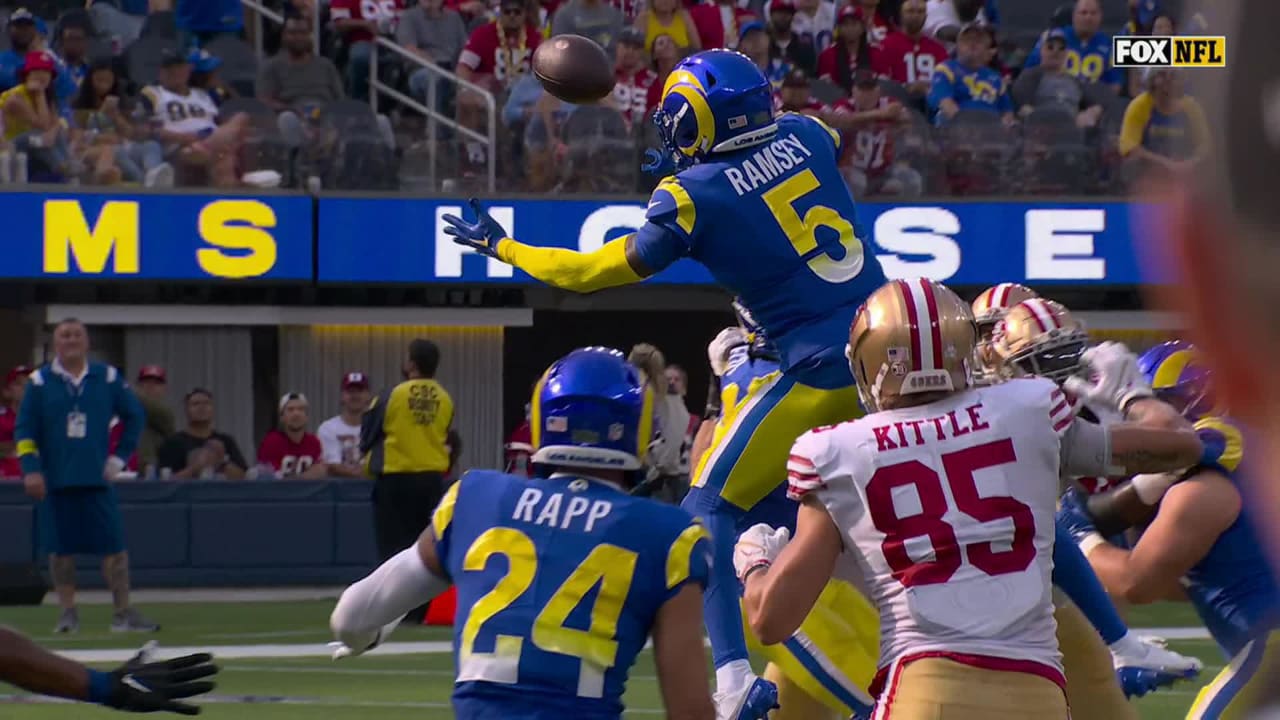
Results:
x,y
442,518
689,557
572,270
1134,125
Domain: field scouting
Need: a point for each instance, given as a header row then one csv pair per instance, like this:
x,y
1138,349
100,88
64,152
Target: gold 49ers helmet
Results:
x,y
989,308
910,336
1040,337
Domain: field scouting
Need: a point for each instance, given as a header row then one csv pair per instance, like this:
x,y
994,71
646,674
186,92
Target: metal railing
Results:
x,y
434,116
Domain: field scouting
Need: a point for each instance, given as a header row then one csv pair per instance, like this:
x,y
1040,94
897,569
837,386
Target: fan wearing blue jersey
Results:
x,y
759,200
561,580
968,82
1201,544
1088,49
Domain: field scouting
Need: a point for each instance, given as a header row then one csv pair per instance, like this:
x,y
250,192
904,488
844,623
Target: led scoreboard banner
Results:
x,y
286,238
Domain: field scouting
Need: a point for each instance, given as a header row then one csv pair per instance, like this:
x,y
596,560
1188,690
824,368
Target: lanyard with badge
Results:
x,y
77,421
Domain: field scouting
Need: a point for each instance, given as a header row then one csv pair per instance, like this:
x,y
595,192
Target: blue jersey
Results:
x,y
981,89
1090,61
1232,587
776,225
559,582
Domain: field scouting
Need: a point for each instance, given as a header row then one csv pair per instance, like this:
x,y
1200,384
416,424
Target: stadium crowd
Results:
x,y
933,96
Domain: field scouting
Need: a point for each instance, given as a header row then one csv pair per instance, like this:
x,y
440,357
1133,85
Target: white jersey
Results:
x,y
948,509
194,112
339,442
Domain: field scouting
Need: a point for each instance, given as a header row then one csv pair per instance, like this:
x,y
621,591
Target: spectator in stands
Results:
x,y
23,38
1164,24
1048,85
32,123
719,23
199,452
297,80
869,120
849,53
359,22
791,48
967,83
908,56
795,95
665,55
1164,129
632,77
289,450
1088,49
63,435
158,423
203,20
599,20
340,434
678,391
204,76
754,43
671,417
73,50
518,450
97,111
814,21
670,18
1142,17
877,22
405,436
944,18
436,33
495,56
15,382
185,121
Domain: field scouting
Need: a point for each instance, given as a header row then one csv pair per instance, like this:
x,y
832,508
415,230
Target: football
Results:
x,y
573,68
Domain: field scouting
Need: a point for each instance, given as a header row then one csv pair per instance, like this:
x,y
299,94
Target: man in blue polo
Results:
x,y
62,436
1088,48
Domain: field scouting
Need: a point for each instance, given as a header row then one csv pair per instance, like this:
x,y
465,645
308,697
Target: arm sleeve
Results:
x,y
1136,117
941,87
1004,103
28,429
330,446
131,414
1024,88
688,559
267,454
1224,443
233,452
442,522
1033,60
1085,449
572,270
1199,126
371,424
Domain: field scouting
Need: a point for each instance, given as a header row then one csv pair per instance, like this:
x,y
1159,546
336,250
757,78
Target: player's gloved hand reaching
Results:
x,y
141,686
483,235
347,646
1115,380
658,162
1073,517
758,546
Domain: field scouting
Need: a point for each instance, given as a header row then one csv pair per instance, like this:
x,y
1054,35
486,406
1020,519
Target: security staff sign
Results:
x,y
962,243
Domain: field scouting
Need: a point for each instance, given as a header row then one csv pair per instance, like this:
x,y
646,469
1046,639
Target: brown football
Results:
x,y
573,68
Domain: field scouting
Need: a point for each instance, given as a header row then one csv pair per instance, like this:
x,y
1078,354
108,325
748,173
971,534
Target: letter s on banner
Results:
x,y
449,254
919,231
1058,249
592,234
242,226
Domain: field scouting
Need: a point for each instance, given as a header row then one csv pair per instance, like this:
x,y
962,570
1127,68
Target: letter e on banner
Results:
x,y
1060,244
449,254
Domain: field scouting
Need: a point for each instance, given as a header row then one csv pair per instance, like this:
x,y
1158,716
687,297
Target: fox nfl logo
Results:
x,y
1195,51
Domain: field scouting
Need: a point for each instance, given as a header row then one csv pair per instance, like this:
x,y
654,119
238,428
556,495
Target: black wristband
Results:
x,y
752,569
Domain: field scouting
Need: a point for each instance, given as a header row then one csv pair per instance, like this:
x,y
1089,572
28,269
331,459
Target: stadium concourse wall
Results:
x,y
209,534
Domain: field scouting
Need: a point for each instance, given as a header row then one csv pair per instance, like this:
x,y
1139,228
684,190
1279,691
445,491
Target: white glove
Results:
x,y
113,468
723,344
759,545
1115,382
346,645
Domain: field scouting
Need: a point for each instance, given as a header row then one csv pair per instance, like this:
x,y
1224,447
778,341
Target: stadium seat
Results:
x,y
162,24
352,153
979,153
239,65
1054,156
142,58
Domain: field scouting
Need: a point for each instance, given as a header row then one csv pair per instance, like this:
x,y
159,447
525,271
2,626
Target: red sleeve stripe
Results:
x,y
1063,424
1057,409
800,460
803,477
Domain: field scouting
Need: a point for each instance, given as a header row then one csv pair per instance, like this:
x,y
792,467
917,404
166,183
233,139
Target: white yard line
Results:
x,y
207,595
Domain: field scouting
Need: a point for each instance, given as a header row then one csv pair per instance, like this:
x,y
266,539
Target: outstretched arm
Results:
x,y
615,263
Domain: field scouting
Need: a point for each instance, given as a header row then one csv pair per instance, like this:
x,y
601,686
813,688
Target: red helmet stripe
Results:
x,y
913,322
935,323
1043,315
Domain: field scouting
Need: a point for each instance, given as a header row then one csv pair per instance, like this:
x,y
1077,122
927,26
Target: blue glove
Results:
x,y
1072,515
482,236
1136,681
658,162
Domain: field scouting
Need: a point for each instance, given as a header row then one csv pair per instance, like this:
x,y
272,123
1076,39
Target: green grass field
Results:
x,y
375,687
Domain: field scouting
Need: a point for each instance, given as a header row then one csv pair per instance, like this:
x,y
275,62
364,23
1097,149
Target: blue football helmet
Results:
x,y
1179,378
714,101
591,409
759,343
